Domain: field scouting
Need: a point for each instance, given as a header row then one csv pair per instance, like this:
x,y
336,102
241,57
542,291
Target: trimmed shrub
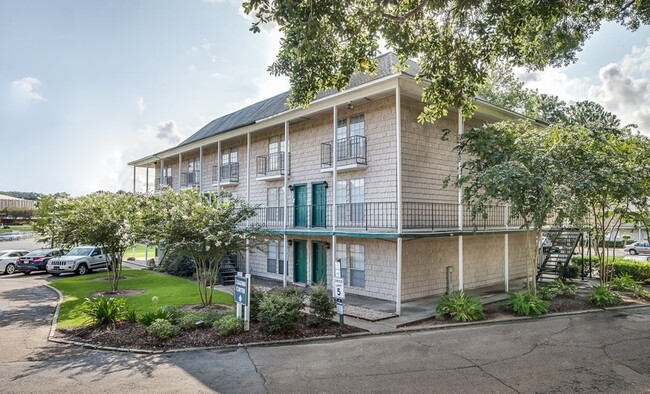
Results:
x,y
578,260
102,310
209,315
163,329
177,264
572,271
461,307
256,297
173,312
321,307
229,325
130,315
638,270
279,312
526,304
188,321
290,291
603,296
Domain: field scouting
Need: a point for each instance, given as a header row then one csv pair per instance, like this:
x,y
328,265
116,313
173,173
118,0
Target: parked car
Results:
x,y
638,248
12,236
36,260
80,260
8,260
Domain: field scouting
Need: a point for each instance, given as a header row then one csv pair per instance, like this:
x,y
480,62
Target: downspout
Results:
x,y
461,126
398,125
284,214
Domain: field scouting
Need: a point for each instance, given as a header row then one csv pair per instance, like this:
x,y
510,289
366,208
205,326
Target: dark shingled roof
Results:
x,y
277,104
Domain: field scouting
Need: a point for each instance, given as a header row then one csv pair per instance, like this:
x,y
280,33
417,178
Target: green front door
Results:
x,y
318,205
300,261
300,205
319,264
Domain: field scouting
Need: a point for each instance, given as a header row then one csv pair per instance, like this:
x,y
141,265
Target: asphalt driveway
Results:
x,y
601,352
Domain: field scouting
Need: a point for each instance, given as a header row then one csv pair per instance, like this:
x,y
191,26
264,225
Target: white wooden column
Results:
x,y
146,181
334,170
134,179
506,249
398,133
286,186
162,167
248,197
461,126
200,169
180,170
219,167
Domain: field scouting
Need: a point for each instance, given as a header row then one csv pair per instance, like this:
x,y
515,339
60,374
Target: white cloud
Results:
x,y
555,81
168,131
141,105
191,68
26,89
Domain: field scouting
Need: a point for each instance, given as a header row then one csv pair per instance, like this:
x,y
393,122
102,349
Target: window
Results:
x,y
275,257
229,156
349,133
352,264
193,170
350,198
276,159
275,204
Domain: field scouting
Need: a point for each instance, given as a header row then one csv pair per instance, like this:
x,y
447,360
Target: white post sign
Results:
x,y
338,291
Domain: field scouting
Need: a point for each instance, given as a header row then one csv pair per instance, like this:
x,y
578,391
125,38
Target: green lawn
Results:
x,y
12,227
138,252
170,290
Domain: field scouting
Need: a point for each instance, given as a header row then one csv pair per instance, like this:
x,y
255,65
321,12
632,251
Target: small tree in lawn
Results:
x,y
204,226
44,225
108,220
512,163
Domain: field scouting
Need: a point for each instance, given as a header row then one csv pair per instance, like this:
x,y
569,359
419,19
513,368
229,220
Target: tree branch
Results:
x,y
408,15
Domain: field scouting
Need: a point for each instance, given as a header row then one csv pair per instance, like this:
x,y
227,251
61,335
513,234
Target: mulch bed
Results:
x,y
121,293
560,304
134,336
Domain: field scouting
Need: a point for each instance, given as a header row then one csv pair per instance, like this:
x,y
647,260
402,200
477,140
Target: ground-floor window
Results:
x,y
353,267
275,257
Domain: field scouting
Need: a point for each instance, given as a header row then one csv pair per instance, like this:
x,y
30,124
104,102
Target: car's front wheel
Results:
x,y
633,251
82,269
10,269
27,272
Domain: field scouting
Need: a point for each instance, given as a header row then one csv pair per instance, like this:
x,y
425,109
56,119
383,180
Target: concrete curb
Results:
x,y
404,330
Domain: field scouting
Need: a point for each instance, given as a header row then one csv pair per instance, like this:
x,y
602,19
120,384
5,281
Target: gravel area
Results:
x,y
365,313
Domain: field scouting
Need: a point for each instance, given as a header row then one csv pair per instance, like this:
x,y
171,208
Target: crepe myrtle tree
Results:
x,y
512,163
455,42
204,226
111,221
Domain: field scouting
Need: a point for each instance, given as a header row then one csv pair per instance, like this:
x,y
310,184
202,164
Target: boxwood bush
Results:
x,y
638,270
279,311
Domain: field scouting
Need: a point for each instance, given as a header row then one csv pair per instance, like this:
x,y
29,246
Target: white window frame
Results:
x,y
275,257
352,255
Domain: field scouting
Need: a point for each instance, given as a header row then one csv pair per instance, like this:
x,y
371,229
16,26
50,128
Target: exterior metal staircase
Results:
x,y
228,270
563,244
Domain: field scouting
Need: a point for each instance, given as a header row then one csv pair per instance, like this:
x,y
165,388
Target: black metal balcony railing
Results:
x,y
229,173
190,178
272,164
352,150
166,180
383,216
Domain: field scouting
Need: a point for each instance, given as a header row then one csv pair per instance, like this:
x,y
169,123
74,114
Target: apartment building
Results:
x,y
353,178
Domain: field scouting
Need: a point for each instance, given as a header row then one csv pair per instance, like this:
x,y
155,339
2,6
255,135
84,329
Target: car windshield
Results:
x,y
36,253
80,252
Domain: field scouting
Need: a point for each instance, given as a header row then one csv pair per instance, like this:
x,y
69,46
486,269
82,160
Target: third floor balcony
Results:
x,y
271,166
227,174
351,154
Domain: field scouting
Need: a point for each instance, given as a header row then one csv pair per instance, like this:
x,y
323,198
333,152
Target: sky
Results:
x,y
88,85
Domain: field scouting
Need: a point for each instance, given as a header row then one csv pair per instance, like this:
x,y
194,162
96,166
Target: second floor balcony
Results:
x,y
351,154
382,216
271,166
190,179
227,174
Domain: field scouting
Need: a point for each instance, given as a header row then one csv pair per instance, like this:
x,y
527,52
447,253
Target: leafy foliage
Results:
x,y
229,325
457,43
279,312
461,307
254,303
547,293
102,310
188,321
602,296
526,304
562,288
204,226
624,283
172,312
321,307
638,270
163,329
177,264
146,319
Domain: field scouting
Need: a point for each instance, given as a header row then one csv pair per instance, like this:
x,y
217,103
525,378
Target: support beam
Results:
x,y
334,176
398,127
248,197
146,181
286,186
461,126
134,179
506,249
398,275
219,163
180,170
200,168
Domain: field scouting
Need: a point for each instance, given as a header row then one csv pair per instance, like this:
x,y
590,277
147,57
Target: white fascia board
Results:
x,y
381,85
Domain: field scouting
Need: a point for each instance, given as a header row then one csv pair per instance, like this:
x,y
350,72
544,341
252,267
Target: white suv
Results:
x,y
81,260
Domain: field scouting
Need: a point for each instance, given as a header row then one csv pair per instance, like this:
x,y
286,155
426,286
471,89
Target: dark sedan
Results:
x,y
36,260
